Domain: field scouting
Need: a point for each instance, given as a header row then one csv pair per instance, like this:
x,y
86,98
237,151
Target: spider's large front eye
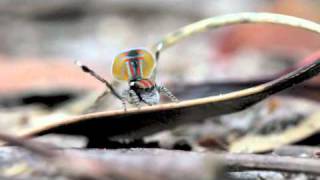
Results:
x,y
132,84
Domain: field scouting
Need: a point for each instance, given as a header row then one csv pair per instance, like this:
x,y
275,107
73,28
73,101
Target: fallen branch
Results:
x,y
107,165
133,163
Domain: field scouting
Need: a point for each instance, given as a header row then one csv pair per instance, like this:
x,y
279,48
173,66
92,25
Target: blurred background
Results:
x,y
41,39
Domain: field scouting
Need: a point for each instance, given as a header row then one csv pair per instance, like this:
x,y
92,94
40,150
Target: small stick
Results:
x,y
270,163
297,151
227,20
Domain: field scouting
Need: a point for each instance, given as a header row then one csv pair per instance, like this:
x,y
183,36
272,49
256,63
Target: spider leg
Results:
x,y
104,94
124,105
134,98
101,96
94,106
98,77
158,50
157,55
125,94
163,90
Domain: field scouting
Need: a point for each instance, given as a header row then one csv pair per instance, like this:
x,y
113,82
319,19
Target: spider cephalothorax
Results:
x,y
145,91
135,66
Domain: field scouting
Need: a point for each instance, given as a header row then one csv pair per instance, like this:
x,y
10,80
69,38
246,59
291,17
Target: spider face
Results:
x,y
151,97
146,90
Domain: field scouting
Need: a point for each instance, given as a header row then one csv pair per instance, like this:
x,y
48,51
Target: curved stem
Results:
x,y
231,19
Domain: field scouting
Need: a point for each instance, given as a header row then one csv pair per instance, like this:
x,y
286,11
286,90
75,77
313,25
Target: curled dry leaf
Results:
x,y
136,123
254,143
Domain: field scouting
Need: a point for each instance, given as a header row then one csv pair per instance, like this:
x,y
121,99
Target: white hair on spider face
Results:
x,y
151,97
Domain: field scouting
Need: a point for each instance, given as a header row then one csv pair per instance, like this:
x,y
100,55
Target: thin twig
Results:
x,y
270,162
297,151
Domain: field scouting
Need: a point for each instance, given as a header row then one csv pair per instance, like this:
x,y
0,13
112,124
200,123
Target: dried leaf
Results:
x,y
136,123
262,143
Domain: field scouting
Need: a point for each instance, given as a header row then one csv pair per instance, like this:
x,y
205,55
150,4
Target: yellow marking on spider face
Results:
x,y
119,67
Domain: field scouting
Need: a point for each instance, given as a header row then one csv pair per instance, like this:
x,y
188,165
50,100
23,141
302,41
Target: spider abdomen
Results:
x,y
132,65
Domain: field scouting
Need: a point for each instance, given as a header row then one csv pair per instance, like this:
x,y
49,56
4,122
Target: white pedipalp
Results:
x,y
150,97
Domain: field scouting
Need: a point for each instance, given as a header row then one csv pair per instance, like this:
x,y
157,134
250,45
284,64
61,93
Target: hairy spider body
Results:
x,y
145,91
136,67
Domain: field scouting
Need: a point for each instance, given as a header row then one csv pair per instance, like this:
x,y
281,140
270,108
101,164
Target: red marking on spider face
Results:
x,y
136,71
145,84
131,69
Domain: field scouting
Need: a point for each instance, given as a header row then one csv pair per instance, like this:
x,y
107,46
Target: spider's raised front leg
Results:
x,y
110,87
163,90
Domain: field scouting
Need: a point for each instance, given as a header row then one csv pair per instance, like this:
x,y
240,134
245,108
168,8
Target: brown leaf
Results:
x,y
136,123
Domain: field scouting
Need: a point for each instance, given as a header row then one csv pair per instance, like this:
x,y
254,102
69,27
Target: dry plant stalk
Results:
x,y
232,19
